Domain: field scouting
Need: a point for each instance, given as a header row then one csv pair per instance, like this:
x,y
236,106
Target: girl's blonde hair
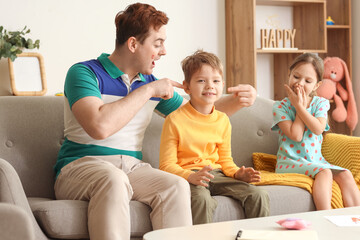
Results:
x,y
191,64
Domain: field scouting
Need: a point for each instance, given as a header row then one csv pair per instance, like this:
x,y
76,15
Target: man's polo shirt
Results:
x,y
102,79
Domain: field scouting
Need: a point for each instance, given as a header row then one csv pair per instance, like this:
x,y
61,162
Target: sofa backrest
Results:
x,y
31,133
32,128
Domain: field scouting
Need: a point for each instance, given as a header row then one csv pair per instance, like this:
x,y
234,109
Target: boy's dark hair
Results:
x,y
191,64
136,21
314,60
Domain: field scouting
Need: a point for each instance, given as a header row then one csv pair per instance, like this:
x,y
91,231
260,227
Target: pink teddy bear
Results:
x,y
335,70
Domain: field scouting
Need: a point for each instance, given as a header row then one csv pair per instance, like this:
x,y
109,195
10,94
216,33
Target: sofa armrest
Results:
x,y
15,223
12,192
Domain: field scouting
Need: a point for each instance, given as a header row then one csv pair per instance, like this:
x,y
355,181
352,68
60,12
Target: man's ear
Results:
x,y
186,87
132,44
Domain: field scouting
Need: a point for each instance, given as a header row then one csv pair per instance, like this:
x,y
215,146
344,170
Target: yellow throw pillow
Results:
x,y
264,162
343,151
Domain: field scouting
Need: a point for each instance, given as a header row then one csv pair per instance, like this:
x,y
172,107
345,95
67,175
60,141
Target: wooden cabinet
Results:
x,y
339,45
312,35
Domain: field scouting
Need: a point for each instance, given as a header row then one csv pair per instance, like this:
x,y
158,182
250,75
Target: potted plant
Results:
x,y
12,43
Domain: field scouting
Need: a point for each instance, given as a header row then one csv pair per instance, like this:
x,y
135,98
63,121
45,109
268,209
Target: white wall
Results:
x,y
267,17
355,21
75,30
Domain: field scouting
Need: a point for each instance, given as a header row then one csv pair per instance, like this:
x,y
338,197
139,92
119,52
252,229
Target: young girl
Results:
x,y
301,118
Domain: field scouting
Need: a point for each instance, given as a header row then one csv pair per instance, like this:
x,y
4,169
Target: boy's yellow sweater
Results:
x,y
191,140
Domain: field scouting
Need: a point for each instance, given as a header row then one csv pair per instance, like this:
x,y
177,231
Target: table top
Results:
x,y
325,229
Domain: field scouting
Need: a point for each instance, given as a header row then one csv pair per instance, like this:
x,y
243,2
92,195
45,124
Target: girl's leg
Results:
x,y
349,189
322,189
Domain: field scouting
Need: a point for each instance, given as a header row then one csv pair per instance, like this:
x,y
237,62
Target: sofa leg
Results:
x,y
11,191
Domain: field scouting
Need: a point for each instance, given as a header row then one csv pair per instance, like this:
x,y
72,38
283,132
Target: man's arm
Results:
x,y
101,120
243,95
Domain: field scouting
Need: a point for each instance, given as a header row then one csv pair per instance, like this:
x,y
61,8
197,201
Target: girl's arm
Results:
x,y
315,125
293,129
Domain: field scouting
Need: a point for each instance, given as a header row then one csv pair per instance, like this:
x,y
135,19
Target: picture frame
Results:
x,y
27,75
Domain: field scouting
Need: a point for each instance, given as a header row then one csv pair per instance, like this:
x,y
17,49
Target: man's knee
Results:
x,y
114,182
177,185
182,184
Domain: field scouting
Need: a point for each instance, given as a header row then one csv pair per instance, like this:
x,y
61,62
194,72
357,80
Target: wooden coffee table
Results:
x,y
325,229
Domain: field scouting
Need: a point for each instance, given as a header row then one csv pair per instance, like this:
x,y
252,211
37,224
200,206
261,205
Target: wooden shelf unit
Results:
x,y
312,35
339,45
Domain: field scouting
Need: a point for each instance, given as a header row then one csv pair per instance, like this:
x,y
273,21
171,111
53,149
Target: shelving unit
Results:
x,y
339,45
312,35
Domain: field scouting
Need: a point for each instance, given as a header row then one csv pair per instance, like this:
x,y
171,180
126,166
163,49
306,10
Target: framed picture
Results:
x,y
27,74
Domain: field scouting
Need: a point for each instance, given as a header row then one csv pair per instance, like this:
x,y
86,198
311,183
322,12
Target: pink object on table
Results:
x,y
294,223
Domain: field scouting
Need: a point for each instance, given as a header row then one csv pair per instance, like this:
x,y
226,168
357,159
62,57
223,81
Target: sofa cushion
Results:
x,y
67,219
288,199
64,219
283,200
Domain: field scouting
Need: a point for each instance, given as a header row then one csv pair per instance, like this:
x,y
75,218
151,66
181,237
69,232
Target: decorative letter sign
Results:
x,y
271,38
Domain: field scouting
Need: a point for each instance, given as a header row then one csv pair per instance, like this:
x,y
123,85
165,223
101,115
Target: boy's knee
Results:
x,y
202,197
260,194
257,204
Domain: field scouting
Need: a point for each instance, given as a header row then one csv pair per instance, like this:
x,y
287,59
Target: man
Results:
x,y
109,104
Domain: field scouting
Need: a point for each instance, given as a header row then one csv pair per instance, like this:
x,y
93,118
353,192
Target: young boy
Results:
x,y
196,145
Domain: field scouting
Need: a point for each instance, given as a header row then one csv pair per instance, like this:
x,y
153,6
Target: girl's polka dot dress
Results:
x,y
305,156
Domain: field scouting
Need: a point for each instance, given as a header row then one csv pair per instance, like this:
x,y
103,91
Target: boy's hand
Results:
x,y
247,175
198,178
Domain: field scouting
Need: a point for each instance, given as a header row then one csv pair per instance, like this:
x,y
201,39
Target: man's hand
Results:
x,y
163,88
198,178
245,93
247,175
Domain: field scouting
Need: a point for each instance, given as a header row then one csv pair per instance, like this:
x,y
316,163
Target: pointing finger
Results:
x,y
176,84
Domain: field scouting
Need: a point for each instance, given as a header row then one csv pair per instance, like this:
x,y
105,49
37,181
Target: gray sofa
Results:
x,y
31,133
15,223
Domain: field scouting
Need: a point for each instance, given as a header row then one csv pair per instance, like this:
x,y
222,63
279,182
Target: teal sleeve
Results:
x,y
280,113
80,82
168,106
322,109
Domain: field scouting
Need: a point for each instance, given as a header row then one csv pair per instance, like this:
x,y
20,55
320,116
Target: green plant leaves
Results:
x,y
12,43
